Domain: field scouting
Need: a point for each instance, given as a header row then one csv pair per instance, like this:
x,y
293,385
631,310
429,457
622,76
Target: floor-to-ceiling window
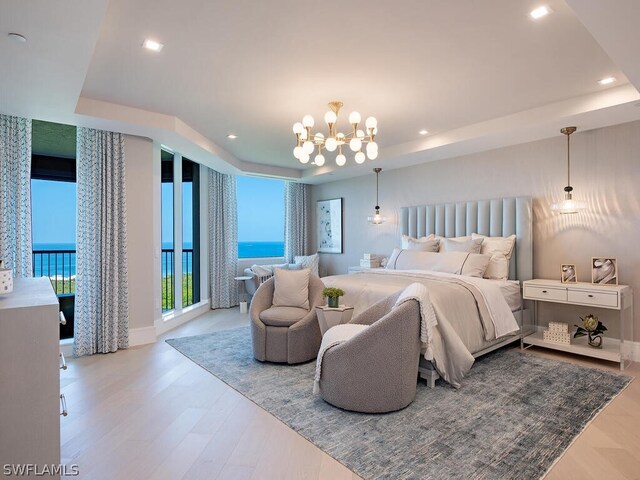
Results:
x,y
190,232
53,212
260,217
167,231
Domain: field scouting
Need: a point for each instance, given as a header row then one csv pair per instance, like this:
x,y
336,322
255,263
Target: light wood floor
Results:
x,y
148,412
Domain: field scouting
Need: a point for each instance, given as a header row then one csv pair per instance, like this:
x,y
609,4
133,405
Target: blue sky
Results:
x,y
260,211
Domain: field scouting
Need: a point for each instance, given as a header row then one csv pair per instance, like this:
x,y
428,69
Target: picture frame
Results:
x,y
329,225
604,271
568,273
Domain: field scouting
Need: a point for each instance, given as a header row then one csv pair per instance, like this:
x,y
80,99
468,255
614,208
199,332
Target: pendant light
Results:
x,y
568,205
377,219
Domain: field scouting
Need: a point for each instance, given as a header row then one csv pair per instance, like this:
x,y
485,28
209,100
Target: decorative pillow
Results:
x,y
310,261
500,249
291,288
459,263
461,244
422,245
406,239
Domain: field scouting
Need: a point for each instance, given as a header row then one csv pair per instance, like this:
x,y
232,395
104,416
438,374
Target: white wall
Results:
x,y
143,236
605,172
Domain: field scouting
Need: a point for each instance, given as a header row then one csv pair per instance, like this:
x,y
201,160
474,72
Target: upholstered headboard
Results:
x,y
499,217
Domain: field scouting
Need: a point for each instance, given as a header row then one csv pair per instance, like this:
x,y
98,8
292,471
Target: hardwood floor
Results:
x,y
149,412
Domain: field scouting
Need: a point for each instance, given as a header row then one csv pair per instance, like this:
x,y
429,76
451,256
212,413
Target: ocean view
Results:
x,y
64,264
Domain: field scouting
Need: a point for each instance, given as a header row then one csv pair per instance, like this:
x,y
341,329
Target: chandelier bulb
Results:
x,y
371,123
360,158
308,147
330,118
354,118
307,121
298,128
319,160
341,160
297,152
304,157
331,144
355,144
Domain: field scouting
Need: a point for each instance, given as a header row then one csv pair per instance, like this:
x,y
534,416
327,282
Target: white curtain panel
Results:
x,y
15,194
102,310
223,240
297,219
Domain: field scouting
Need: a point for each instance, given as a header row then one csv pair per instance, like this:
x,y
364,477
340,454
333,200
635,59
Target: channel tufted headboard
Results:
x,y
499,217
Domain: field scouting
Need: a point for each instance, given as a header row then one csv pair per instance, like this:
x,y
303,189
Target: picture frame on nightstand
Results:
x,y
604,271
568,273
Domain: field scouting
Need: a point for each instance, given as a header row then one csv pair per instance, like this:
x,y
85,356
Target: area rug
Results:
x,y
513,418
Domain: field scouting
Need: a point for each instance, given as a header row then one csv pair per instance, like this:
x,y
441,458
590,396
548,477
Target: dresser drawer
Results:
x,y
545,293
604,299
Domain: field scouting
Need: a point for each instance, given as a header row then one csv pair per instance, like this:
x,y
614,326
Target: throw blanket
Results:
x,y
428,320
334,336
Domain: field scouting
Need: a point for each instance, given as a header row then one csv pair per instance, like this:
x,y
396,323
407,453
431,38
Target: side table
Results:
x,y
243,293
330,317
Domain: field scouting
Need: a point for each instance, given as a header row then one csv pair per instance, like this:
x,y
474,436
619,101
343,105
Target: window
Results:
x,y
260,217
167,238
190,232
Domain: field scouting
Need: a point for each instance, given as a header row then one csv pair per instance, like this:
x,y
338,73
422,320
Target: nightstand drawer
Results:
x,y
545,293
605,299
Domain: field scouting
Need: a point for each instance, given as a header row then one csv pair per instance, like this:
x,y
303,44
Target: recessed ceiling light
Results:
x,y
607,81
539,12
17,37
232,136
152,45
423,132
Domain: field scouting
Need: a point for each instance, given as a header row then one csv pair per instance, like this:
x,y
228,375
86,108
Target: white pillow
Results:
x,y
310,261
423,245
406,239
500,249
291,288
459,263
461,244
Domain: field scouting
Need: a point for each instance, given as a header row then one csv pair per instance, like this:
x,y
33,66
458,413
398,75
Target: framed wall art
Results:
x,y
568,273
329,217
604,271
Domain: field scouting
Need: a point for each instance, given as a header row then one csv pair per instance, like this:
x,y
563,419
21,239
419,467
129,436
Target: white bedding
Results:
x,y
510,290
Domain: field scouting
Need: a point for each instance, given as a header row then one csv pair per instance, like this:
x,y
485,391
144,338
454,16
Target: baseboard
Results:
x,y
175,319
142,336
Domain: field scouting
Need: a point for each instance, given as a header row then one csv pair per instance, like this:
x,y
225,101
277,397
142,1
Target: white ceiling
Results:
x,y
476,74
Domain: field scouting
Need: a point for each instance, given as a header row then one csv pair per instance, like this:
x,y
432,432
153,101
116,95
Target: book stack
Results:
x,y
557,332
369,261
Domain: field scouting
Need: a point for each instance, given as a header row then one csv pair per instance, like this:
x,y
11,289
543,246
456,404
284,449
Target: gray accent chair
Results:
x,y
285,334
376,371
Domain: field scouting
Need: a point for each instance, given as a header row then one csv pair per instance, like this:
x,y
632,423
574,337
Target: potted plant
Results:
x,y
593,328
333,296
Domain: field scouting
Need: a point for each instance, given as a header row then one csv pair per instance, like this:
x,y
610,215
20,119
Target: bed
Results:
x,y
460,302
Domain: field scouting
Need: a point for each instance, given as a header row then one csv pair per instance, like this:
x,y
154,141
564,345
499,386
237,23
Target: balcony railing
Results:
x,y
190,282
59,266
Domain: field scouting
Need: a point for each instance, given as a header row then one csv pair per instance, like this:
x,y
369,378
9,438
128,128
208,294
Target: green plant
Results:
x,y
590,326
333,292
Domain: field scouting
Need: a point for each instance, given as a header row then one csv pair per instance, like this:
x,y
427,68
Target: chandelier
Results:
x,y
307,142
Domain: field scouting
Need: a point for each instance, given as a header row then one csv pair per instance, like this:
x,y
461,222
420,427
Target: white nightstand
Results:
x,y
610,297
362,269
330,317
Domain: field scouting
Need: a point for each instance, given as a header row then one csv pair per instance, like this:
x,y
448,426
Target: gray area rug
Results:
x,y
514,416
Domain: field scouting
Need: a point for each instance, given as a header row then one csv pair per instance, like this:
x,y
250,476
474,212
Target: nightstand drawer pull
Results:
x,y
63,404
63,363
544,291
590,296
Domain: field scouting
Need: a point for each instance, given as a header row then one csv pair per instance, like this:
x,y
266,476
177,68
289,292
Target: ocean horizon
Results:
x,y
64,264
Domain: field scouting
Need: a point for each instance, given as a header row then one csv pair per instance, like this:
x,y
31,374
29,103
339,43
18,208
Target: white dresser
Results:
x,y
30,402
609,297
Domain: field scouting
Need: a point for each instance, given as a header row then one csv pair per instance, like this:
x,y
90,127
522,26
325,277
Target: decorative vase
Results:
x,y
333,302
595,341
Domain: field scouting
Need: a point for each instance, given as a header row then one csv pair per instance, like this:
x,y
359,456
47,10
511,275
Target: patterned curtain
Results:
x,y
297,218
102,311
223,240
15,194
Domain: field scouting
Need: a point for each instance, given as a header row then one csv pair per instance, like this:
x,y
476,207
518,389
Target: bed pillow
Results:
x,y
431,245
291,288
500,249
407,240
461,244
459,263
311,262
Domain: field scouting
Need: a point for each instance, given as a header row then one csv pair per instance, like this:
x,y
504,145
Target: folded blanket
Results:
x,y
334,336
428,320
